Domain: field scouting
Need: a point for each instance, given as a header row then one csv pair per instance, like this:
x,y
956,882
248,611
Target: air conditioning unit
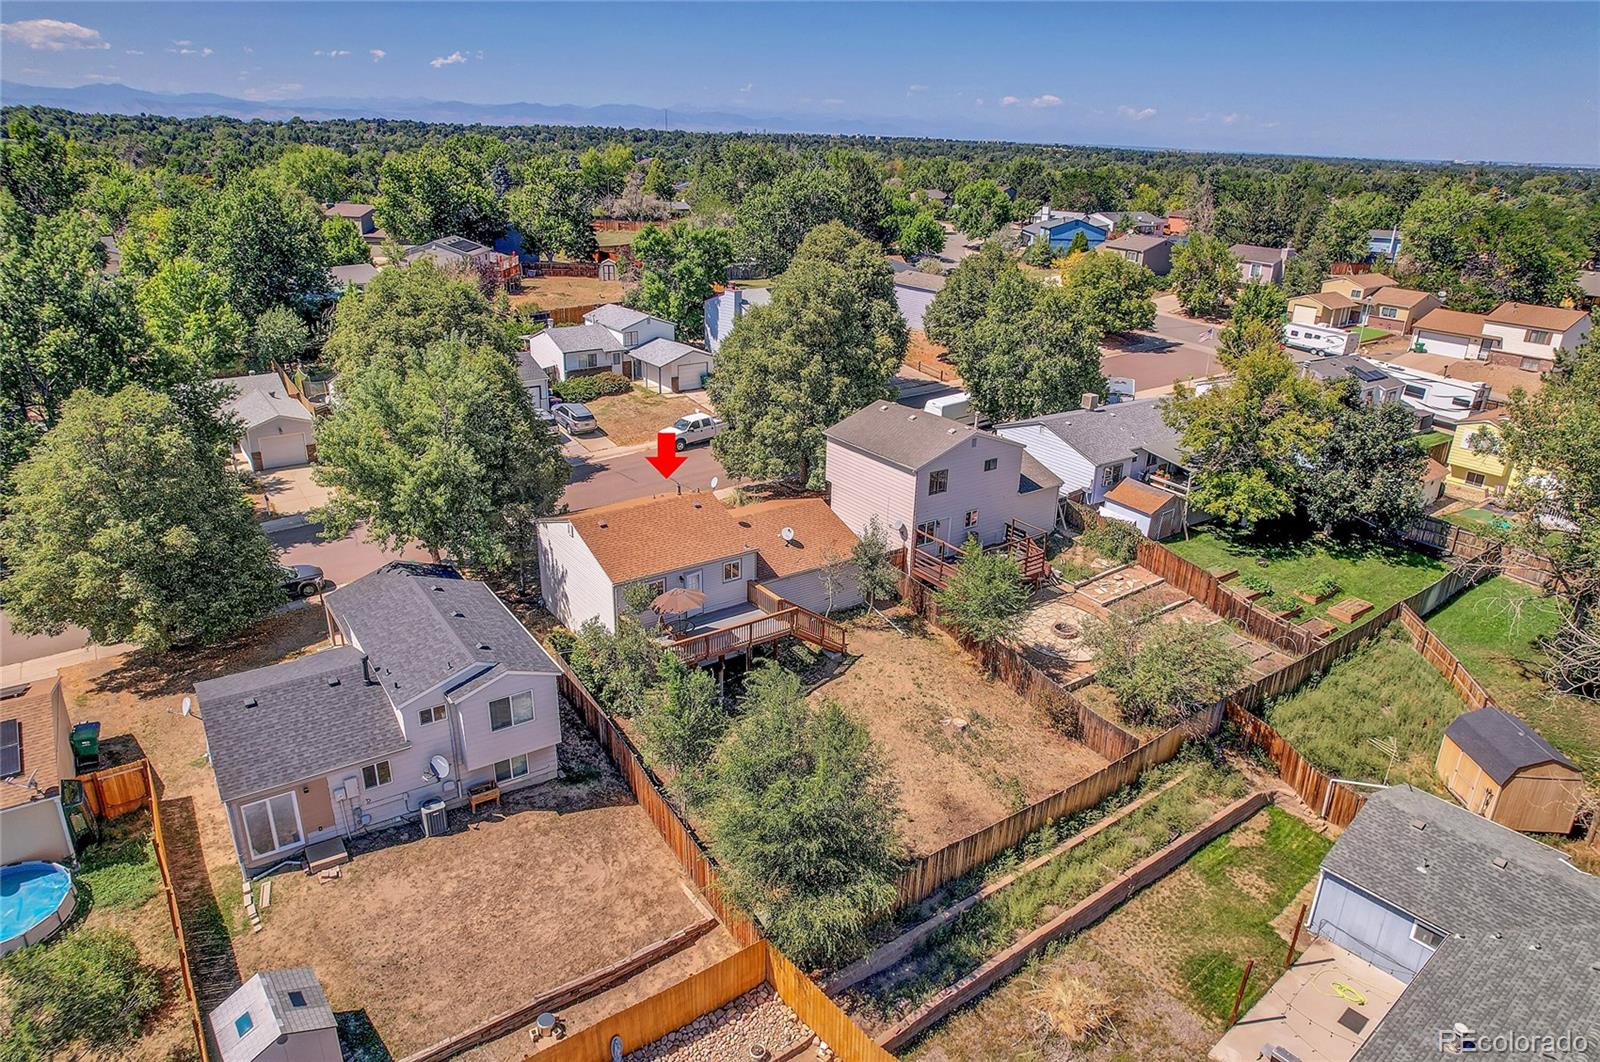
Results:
x,y
435,820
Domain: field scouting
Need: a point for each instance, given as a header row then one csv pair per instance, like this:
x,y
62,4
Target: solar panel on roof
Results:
x,y
10,748
1369,375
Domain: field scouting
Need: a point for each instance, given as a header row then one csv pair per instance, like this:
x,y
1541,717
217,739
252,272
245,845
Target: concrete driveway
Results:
x,y
291,491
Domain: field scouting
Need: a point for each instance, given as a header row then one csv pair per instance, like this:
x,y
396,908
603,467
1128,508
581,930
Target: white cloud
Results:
x,y
1009,101
332,53
747,88
271,92
52,35
377,54
916,88
978,102
447,60
1136,114
133,51
1231,118
1046,100
100,77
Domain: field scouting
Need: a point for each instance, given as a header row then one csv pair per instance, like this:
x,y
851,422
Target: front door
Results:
x,y
693,581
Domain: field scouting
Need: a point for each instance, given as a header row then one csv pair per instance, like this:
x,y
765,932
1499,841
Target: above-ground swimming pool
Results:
x,y
36,899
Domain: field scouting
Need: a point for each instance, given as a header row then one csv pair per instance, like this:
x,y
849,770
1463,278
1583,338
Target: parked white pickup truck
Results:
x,y
696,427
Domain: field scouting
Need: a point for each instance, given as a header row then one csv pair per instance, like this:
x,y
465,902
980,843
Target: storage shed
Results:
x,y
277,1016
1498,767
1155,512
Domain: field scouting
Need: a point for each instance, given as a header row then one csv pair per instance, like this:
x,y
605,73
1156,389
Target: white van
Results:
x,y
1320,340
952,407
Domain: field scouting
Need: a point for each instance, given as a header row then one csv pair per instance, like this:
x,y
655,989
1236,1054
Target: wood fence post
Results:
x,y
1239,996
1288,960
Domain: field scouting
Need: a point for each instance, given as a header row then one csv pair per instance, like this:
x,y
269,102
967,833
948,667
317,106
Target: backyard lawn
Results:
x,y
1169,960
1384,691
1473,519
553,293
636,416
1373,571
1495,629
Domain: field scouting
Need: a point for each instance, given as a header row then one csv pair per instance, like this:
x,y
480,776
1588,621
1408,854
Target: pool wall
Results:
x,y
53,920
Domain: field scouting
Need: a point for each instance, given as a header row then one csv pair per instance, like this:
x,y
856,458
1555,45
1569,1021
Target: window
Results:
x,y
630,339
515,767
971,520
1255,269
1111,475
1533,364
271,825
430,715
938,481
1461,403
1538,335
991,464
375,774
509,711
730,571
1475,479
297,998
1390,312
1428,938
243,1024
1355,293
1414,391
10,748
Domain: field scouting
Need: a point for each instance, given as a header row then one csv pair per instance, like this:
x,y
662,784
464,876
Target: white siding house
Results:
x,y
1535,333
279,431
1094,448
629,327
1452,333
723,311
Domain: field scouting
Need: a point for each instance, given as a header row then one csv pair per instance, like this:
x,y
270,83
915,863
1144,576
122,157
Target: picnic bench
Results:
x,y
483,793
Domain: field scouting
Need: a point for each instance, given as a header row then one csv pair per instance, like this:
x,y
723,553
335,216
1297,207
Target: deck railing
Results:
x,y
790,621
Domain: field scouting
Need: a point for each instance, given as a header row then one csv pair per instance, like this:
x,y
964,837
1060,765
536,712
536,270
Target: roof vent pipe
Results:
x,y
1090,400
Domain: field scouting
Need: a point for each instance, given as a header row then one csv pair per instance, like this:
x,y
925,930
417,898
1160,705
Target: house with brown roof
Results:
x,y
1452,334
1152,252
1157,513
35,758
589,559
1359,286
1325,309
1530,336
1396,309
362,215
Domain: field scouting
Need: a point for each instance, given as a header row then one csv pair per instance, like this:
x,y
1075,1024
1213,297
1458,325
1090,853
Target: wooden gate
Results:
x,y
117,790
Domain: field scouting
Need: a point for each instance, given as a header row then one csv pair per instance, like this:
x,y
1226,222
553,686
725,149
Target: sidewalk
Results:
x,y
46,666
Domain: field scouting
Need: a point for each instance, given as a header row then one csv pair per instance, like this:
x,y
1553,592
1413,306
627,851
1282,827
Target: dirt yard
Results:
x,y
552,293
965,750
426,938
636,416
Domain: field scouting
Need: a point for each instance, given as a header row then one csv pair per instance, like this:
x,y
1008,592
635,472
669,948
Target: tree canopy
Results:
x,y
1205,275
985,598
404,310
1110,291
680,263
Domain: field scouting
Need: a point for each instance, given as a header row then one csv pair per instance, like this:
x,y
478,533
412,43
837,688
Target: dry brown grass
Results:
x,y
551,293
1075,1008
636,416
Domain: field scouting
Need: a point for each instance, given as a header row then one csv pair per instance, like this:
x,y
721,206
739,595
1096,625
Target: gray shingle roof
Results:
x,y
915,278
279,724
265,997
904,437
260,397
1340,366
614,316
570,338
1502,744
1036,477
1250,252
419,631
663,352
1522,939
358,275
1112,432
1134,241
530,372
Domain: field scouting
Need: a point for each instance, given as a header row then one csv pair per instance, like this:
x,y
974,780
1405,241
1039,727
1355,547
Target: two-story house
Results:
x,y
630,328
1477,461
362,216
1397,309
1093,448
723,311
1358,286
432,687
1261,265
590,558
1152,252
916,471
1530,336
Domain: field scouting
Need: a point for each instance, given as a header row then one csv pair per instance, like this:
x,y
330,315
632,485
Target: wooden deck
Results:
x,y
787,621
934,561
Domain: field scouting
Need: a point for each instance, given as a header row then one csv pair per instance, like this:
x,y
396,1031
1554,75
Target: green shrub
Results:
x,y
120,869
89,986
1279,602
561,640
1256,582
589,388
1114,540
1162,672
1322,586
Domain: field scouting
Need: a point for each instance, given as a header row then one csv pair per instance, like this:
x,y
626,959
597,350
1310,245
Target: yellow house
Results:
x,y
1478,473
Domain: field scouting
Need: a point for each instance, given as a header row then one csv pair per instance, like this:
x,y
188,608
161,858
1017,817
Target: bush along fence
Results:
x,y
651,795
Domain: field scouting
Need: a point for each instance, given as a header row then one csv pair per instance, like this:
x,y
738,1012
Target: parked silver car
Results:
x,y
575,418
694,428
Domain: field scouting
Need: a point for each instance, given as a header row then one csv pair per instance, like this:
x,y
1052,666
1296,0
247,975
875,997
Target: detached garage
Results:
x,y
279,431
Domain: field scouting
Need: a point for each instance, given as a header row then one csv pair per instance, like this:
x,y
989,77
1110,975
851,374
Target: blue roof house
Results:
x,y
1383,243
1061,227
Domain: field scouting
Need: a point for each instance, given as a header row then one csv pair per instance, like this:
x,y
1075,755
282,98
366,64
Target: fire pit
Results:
x,y
1066,629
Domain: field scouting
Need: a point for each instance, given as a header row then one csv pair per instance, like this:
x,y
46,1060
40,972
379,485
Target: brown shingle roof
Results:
x,y
1331,299
1255,252
817,533
347,210
1140,497
1451,323
1524,315
1402,297
1134,241
39,723
647,536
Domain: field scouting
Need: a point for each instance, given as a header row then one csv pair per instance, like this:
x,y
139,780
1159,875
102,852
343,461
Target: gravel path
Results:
x,y
757,1018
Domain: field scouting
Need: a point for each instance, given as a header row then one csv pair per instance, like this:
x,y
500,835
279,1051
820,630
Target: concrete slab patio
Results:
x,y
1322,1009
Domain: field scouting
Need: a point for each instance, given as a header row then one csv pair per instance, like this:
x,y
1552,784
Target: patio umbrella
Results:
x,y
679,599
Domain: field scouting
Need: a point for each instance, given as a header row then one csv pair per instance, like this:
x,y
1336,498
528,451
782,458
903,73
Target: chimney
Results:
x,y
1090,400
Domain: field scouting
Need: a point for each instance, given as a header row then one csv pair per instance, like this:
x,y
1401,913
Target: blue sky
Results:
x,y
1469,81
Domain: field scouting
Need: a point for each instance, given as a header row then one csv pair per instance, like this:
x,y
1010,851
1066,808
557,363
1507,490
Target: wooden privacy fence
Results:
x,y
117,791
1333,801
716,986
1444,661
1207,589
543,268
1079,917
1457,541
169,890
648,791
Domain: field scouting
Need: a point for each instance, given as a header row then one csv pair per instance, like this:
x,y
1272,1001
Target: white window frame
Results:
x,y
735,566
1391,312
511,772
378,769
1429,930
511,703
429,716
272,823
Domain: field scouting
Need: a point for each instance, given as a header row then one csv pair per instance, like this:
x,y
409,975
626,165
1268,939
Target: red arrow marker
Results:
x,y
666,459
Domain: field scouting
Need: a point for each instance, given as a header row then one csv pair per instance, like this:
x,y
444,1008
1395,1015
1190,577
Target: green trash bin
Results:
x,y
86,743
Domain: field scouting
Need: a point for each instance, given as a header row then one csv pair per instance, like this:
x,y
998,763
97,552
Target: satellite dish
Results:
x,y
188,705
713,482
441,767
788,534
900,526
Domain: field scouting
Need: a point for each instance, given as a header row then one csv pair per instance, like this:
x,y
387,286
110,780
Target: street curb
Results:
x,y
285,523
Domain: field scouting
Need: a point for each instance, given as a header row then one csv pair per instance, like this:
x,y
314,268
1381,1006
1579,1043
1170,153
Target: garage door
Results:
x,y
278,451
